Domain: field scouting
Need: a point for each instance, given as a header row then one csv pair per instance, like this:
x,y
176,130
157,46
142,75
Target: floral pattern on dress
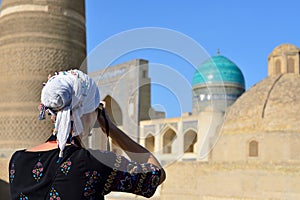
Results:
x,y
54,195
12,172
37,171
155,181
126,184
147,180
154,178
133,168
66,166
93,178
23,197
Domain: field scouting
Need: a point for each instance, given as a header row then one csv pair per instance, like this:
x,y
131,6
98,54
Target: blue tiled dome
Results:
x,y
218,70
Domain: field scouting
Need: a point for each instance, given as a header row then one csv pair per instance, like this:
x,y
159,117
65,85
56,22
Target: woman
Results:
x,y
61,169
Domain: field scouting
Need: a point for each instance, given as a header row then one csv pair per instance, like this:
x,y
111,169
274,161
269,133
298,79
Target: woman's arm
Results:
x,y
135,151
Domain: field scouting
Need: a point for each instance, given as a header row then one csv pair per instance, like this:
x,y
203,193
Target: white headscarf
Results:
x,y
70,91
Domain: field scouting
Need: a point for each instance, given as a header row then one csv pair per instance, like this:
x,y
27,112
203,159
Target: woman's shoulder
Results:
x,y
17,154
87,154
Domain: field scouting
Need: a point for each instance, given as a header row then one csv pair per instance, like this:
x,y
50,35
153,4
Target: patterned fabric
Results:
x,y
128,176
66,166
66,92
37,171
54,195
23,197
82,175
92,180
12,172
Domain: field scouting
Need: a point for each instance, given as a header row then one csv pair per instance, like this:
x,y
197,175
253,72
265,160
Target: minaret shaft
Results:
x,y
37,38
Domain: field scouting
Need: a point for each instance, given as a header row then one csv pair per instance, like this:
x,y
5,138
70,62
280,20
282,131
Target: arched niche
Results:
x,y
150,142
190,138
168,139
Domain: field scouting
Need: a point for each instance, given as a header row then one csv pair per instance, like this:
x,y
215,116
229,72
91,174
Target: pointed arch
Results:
x,y
114,110
150,142
190,138
253,148
168,139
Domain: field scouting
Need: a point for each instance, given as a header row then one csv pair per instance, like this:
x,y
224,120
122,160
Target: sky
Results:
x,y
246,32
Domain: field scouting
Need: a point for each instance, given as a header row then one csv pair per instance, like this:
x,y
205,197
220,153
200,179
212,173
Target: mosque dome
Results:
x,y
272,105
218,70
217,83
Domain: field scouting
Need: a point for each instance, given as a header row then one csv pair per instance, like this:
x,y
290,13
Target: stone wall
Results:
x,y
231,181
272,147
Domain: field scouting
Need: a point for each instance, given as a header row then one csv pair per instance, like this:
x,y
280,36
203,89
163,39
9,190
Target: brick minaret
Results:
x,y
37,37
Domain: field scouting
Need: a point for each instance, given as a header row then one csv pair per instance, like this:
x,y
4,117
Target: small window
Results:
x,y
253,148
277,67
290,66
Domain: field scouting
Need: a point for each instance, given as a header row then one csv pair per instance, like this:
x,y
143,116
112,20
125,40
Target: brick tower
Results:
x,y
37,38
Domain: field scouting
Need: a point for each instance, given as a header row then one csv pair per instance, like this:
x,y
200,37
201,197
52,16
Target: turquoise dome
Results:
x,y
218,70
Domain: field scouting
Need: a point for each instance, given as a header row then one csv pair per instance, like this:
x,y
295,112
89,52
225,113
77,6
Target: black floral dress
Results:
x,y
81,174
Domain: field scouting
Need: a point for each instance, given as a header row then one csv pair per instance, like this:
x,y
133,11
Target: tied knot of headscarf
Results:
x,y
70,92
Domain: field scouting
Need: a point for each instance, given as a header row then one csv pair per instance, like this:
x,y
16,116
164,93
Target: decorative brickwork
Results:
x,y
37,38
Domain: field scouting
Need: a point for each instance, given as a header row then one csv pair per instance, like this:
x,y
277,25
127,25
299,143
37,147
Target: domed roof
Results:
x,y
218,70
284,48
271,105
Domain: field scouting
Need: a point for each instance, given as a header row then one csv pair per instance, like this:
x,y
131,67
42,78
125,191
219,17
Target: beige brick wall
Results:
x,y
236,181
4,169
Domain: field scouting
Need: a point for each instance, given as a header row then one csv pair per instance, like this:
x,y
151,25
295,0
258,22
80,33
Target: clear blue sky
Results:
x,y
244,31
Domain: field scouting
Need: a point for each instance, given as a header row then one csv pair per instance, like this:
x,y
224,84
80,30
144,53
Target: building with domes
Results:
x,y
257,154
216,84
